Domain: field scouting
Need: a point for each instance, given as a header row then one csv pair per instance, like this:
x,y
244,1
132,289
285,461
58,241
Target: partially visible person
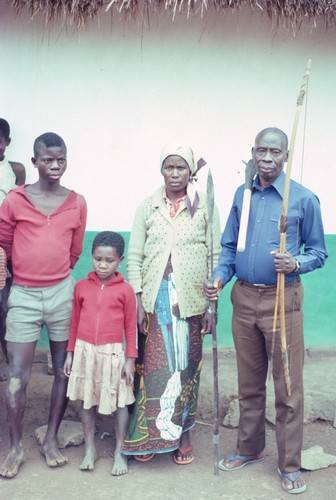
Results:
x,y
100,371
12,174
3,278
253,298
42,226
169,257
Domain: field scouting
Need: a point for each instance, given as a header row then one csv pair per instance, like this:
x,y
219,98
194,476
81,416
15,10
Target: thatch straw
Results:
x,y
290,13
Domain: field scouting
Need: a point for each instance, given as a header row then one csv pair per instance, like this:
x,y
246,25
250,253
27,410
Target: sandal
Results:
x,y
180,453
241,459
144,458
292,477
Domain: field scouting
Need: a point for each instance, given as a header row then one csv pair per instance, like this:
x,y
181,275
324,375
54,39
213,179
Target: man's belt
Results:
x,y
263,286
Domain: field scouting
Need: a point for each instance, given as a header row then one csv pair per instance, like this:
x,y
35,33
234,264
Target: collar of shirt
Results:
x,y
172,207
278,184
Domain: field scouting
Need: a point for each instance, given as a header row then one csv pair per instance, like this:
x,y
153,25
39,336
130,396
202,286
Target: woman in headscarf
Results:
x,y
169,259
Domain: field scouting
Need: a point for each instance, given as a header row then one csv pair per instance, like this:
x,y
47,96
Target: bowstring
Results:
x,y
289,347
300,210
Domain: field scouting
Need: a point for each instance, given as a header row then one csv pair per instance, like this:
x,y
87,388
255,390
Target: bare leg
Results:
x,y
89,428
20,357
120,465
3,365
3,361
185,440
3,314
58,404
184,455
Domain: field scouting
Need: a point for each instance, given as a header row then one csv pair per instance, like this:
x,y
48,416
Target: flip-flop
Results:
x,y
180,453
292,477
243,459
144,458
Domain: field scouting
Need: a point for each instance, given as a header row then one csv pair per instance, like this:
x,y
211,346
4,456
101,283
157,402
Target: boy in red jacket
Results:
x,y
42,227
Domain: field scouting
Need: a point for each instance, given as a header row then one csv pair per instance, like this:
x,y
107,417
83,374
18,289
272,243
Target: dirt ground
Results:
x,y
158,479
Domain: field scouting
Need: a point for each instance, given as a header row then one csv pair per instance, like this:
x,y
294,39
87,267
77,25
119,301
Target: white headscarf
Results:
x,y
179,149
184,151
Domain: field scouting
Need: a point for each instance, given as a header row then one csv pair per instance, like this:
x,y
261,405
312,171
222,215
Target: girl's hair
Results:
x,y
109,239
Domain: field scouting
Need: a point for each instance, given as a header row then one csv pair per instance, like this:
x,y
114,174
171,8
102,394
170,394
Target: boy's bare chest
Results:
x,y
47,203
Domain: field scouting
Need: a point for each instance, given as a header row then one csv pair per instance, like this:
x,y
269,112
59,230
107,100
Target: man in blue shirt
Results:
x,y
253,299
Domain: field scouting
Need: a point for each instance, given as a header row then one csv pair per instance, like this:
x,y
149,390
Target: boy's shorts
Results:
x,y
29,308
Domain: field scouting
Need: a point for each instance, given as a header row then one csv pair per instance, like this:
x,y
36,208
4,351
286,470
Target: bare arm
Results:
x,y
19,171
136,247
128,370
141,315
68,364
79,233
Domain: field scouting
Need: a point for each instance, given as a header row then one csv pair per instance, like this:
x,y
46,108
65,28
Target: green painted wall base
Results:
x,y
319,304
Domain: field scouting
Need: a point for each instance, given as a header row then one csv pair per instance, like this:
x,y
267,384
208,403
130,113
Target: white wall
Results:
x,y
118,91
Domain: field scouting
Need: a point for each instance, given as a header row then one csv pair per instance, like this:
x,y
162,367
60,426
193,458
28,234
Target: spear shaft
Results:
x,y
213,307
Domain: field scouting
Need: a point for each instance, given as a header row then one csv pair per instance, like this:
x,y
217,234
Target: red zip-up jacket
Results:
x,y
104,313
42,247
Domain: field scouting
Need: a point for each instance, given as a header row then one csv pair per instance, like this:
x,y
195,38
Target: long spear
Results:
x,y
250,172
213,309
283,224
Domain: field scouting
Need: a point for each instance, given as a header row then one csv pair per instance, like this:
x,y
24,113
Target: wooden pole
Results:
x,y
213,308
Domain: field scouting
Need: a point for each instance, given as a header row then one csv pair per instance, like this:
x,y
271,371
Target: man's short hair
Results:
x,y
273,130
49,140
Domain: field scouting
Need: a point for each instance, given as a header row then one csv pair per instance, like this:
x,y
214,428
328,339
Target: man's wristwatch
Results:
x,y
297,266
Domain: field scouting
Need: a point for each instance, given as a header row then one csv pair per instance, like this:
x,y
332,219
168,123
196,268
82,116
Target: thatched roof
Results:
x,y
289,13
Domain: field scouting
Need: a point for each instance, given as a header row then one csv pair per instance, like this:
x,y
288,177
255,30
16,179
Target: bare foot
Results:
x,y
53,456
89,460
12,463
120,465
183,457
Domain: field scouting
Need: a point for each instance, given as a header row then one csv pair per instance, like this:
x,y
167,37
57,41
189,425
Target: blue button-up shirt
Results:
x,y
304,237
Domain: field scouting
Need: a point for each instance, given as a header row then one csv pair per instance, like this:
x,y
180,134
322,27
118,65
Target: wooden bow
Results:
x,y
280,290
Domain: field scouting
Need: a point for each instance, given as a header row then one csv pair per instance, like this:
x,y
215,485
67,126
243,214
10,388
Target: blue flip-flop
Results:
x,y
245,460
292,477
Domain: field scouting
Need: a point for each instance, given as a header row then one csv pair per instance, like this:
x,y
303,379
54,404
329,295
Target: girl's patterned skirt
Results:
x,y
96,377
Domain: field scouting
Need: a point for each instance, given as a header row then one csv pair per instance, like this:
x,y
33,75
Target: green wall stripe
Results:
x,y
319,303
